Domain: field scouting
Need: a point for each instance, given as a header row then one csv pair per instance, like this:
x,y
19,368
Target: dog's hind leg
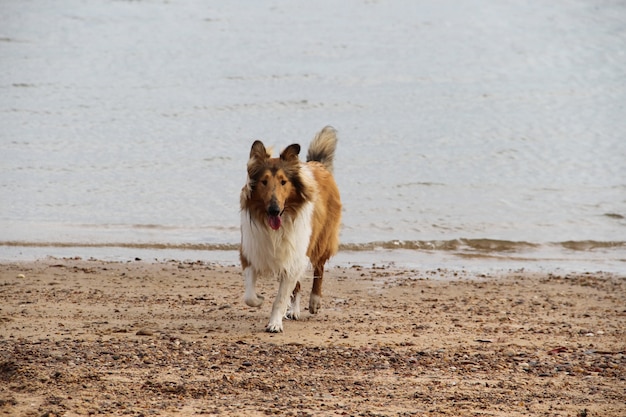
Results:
x,y
315,301
250,296
293,312
279,309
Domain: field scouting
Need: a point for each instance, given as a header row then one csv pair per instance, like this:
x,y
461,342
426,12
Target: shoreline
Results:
x,y
538,258
82,337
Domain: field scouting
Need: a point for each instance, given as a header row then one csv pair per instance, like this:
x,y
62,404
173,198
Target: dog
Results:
x,y
290,215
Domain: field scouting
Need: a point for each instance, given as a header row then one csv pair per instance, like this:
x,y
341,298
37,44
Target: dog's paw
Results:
x,y
274,328
292,315
293,311
315,302
254,301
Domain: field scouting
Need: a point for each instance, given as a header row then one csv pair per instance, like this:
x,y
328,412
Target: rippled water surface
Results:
x,y
477,126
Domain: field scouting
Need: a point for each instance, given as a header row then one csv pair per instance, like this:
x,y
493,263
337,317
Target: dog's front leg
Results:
x,y
250,296
281,303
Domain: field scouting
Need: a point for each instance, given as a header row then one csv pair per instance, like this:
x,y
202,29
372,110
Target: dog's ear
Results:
x,y
290,153
258,156
258,151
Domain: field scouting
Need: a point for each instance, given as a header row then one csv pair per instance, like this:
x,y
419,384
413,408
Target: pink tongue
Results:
x,y
275,222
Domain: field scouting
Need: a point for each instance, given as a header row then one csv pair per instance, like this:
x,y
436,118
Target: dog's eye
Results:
x,y
264,182
283,182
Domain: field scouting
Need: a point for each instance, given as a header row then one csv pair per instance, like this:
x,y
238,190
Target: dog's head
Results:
x,y
274,185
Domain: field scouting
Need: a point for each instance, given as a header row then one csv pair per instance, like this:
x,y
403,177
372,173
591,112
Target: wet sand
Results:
x,y
88,337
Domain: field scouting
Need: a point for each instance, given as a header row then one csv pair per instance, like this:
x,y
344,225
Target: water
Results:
x,y
475,128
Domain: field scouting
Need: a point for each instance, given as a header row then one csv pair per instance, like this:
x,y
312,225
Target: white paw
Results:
x,y
315,302
292,315
274,328
293,311
255,300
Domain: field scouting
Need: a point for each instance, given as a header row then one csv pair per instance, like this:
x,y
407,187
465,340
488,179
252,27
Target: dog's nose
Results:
x,y
273,210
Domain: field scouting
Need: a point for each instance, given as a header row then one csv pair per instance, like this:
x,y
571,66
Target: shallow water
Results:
x,y
474,127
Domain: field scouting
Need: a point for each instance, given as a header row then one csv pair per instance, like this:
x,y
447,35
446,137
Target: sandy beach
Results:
x,y
89,337
482,138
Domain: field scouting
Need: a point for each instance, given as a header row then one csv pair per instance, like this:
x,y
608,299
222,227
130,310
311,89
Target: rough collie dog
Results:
x,y
290,214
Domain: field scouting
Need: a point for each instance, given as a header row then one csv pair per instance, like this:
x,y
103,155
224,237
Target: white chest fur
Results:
x,y
270,251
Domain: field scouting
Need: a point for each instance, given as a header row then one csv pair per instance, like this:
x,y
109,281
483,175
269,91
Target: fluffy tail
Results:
x,y
322,148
